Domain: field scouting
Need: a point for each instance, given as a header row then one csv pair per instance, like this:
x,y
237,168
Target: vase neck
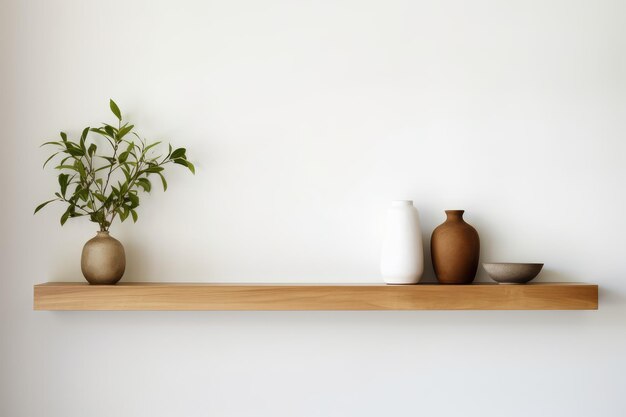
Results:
x,y
454,215
102,234
402,203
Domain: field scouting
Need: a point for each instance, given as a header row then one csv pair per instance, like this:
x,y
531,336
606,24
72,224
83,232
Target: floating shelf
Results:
x,y
199,296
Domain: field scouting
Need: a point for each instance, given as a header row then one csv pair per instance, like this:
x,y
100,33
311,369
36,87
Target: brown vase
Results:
x,y
103,260
455,248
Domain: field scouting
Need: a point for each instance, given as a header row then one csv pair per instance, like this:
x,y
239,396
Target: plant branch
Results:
x,y
88,182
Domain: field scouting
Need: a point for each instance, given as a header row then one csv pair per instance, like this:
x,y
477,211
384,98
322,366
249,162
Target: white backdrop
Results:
x,y
304,118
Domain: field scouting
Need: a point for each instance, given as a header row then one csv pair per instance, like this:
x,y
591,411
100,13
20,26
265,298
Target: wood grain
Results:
x,y
199,296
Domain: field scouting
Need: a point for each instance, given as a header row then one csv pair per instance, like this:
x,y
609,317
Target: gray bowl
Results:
x,y
512,273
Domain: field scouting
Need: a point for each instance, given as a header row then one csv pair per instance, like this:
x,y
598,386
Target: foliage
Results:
x,y
104,184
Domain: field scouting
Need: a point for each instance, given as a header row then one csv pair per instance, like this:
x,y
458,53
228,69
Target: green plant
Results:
x,y
104,185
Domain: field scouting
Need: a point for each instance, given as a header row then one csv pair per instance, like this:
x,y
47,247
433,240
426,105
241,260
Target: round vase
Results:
x,y
455,248
402,257
103,260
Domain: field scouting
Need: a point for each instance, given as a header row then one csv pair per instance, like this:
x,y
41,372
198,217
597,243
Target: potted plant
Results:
x,y
102,178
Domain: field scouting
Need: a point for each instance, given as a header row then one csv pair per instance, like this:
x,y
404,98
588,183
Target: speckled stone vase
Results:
x,y
455,248
103,260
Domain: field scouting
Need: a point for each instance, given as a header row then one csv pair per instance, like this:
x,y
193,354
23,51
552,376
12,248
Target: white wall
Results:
x,y
304,119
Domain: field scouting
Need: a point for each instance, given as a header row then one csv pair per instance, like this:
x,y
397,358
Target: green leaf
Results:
x,y
108,158
63,136
66,215
115,109
126,173
186,163
109,130
75,151
51,143
103,167
92,149
123,157
154,170
145,184
129,148
109,200
123,188
178,153
42,205
123,131
152,145
76,193
102,132
134,214
63,181
163,181
99,197
83,136
134,200
80,168
82,193
48,160
123,213
65,159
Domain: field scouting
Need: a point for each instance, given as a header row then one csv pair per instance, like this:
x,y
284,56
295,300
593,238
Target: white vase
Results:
x,y
402,257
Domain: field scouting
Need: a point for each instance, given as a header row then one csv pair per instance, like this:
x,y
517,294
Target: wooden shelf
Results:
x,y
199,296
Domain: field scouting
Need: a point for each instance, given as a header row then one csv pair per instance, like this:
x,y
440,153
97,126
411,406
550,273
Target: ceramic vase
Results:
x,y
402,257
103,260
455,248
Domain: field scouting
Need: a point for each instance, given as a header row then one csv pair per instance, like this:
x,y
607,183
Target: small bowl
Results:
x,y
512,273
